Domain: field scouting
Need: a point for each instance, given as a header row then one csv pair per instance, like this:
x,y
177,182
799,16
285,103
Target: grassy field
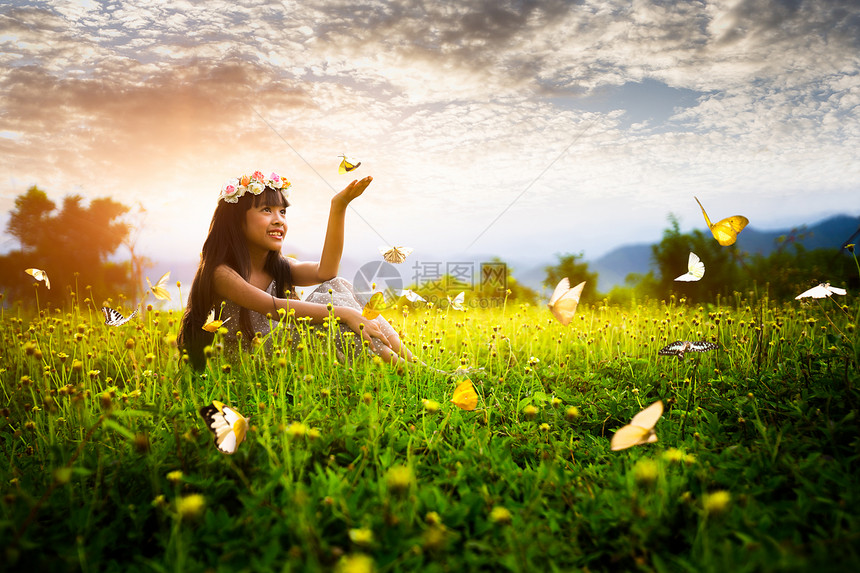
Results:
x,y
107,465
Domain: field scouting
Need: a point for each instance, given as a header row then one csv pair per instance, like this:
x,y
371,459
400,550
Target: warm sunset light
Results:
x,y
429,285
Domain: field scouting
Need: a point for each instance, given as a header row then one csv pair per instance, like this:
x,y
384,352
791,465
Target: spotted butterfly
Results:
x,y
228,425
395,255
115,317
679,347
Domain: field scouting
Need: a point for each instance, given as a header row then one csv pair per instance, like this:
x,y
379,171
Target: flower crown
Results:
x,y
256,183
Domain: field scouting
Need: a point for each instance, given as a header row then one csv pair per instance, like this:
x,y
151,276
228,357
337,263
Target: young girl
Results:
x,y
241,265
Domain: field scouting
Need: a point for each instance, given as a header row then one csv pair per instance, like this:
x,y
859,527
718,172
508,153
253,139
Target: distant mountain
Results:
x,y
614,266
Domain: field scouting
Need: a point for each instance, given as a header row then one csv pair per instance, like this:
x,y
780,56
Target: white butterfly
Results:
x,y
228,425
39,275
457,302
412,296
679,347
640,430
564,300
115,317
158,289
695,269
821,291
395,255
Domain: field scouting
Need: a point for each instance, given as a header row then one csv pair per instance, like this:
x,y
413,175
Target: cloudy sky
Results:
x,y
519,128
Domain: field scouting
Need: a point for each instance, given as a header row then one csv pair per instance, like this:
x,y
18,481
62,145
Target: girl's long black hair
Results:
x,y
225,244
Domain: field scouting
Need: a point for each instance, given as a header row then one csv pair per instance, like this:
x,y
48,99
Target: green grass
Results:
x,y
107,465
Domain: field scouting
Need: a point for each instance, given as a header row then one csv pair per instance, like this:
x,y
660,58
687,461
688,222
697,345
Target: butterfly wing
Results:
x,y
726,231
213,325
465,396
821,291
707,220
702,346
648,417
158,290
562,287
676,348
115,318
39,275
695,269
457,302
374,306
629,436
564,301
412,296
345,166
228,426
395,255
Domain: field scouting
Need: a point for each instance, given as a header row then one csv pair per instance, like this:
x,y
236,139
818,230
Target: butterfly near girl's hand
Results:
x,y
564,300
465,396
640,430
395,255
158,289
228,425
725,231
346,166
695,269
374,306
39,275
115,317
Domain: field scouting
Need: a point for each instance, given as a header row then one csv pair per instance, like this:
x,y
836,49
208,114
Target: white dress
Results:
x,y
342,294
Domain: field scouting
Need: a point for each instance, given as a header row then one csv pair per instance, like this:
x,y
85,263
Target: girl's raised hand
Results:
x,y
352,191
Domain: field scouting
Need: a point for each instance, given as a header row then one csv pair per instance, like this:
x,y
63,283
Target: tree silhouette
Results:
x,y
72,245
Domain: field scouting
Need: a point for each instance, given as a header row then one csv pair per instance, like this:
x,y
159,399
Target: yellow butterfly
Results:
x,y
725,231
213,325
395,255
39,275
345,166
158,289
374,306
465,396
564,300
640,430
228,425
457,302
695,269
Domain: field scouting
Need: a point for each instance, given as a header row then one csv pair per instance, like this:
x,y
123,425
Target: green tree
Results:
x,y
28,220
670,255
786,274
571,266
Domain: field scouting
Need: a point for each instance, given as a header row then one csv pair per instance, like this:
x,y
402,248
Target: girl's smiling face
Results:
x,y
265,227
